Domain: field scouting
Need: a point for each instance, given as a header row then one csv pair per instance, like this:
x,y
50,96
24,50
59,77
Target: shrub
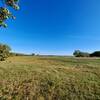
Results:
x,y
4,51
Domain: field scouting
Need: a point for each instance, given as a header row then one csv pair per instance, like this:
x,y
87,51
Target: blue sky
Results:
x,y
54,27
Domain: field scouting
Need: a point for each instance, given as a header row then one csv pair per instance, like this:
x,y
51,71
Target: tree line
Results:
x,y
5,52
78,53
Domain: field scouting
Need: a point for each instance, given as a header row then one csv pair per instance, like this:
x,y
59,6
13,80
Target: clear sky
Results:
x,y
54,27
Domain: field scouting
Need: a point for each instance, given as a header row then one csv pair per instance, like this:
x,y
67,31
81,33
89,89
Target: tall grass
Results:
x,y
49,78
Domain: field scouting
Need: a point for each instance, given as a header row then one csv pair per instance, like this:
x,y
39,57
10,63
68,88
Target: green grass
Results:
x,y
50,78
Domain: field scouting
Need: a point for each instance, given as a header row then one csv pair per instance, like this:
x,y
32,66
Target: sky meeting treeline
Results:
x,y
54,27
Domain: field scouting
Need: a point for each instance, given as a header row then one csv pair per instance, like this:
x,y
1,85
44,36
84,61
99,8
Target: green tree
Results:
x,y
95,54
4,51
78,53
5,12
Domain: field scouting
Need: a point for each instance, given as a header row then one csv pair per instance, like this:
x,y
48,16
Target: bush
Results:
x,y
4,51
2,58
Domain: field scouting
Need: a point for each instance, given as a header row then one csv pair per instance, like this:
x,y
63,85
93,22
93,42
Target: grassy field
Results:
x,y
50,78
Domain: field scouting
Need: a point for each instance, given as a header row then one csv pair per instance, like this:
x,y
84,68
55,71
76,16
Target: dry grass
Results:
x,y
50,78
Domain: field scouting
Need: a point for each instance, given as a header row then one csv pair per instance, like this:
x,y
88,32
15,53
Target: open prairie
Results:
x,y
50,78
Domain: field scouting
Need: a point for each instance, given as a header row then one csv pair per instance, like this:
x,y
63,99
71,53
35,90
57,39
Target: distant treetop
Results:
x,y
78,53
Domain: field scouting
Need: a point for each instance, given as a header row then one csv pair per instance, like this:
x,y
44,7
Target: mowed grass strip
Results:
x,y
50,78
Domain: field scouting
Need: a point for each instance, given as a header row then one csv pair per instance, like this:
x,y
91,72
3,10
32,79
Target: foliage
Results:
x,y
33,54
78,53
4,51
95,54
5,13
